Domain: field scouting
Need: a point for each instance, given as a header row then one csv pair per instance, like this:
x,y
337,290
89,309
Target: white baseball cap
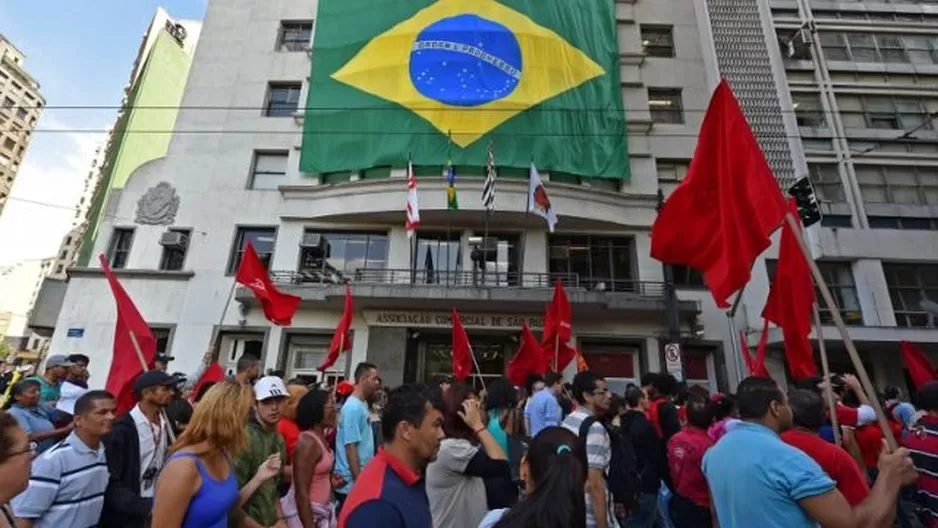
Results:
x,y
269,387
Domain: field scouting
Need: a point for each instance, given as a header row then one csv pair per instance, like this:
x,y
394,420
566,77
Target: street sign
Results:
x,y
75,332
672,360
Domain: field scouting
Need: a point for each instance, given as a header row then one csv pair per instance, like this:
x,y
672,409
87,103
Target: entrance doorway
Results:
x,y
491,351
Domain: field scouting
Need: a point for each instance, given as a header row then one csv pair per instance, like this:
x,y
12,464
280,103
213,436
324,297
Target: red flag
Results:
x,y
527,360
581,365
125,364
920,368
462,350
791,302
756,366
718,220
342,339
213,374
279,307
558,317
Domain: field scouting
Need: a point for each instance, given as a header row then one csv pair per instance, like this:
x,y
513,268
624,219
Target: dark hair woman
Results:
x,y
34,418
15,461
308,505
554,472
469,456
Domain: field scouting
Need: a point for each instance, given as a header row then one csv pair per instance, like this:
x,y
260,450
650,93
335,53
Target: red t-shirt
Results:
x,y
846,416
290,433
870,441
835,461
922,442
685,456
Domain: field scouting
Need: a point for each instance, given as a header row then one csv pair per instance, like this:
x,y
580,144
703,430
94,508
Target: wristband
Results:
x,y
479,430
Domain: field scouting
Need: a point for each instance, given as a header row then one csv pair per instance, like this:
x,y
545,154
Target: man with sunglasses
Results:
x,y
592,396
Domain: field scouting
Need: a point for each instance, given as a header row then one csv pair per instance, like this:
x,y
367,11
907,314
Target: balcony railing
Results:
x,y
464,279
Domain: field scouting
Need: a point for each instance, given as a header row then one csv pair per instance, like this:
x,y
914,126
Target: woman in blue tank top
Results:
x,y
198,486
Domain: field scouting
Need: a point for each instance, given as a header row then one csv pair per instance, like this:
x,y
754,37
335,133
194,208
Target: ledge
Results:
x,y
183,275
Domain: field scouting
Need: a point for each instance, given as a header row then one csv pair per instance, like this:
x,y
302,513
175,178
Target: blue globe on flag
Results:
x,y
465,61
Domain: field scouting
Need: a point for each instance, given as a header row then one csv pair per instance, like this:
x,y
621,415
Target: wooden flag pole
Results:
x,y
842,328
472,354
825,368
136,344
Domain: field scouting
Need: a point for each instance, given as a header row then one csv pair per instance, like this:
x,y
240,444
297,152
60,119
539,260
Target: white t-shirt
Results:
x,y
154,441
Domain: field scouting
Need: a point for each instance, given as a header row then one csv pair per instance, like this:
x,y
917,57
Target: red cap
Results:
x,y
345,388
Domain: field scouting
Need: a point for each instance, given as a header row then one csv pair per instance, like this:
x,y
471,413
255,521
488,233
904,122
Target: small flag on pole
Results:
x,y
488,189
538,201
452,203
413,206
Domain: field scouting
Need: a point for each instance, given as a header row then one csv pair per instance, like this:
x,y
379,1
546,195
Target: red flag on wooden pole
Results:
x,y
718,220
920,368
527,360
462,350
557,329
279,307
342,339
134,345
791,303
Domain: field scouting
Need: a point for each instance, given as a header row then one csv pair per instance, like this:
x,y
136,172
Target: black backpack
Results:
x,y
624,479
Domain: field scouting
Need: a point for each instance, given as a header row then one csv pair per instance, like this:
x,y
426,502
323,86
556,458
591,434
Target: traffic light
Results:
x,y
808,208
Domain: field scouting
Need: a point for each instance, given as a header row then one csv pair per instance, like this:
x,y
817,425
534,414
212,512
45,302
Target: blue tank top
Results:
x,y
210,505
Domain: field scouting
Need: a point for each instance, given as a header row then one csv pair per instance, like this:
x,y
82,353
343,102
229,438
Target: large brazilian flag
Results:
x,y
439,80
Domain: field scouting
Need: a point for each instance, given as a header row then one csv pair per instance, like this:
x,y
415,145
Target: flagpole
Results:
x,y
734,336
828,391
844,334
472,354
449,219
136,344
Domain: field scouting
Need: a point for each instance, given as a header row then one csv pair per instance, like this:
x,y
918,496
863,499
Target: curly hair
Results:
x,y
219,419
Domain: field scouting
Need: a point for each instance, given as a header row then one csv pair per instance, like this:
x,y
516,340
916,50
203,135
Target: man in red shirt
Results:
x,y
690,505
922,443
807,417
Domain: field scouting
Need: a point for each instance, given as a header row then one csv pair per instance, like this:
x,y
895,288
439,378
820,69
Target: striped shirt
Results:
x,y
922,443
66,487
598,456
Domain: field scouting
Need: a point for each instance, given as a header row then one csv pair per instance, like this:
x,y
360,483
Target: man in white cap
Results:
x,y
265,445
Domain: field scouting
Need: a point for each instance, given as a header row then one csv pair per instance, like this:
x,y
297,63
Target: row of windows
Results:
x,y
867,111
862,16
879,48
896,184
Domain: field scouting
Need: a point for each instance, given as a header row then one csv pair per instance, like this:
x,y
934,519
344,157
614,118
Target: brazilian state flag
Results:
x,y
438,80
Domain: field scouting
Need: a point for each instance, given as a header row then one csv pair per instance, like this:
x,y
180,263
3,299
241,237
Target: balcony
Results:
x,y
510,292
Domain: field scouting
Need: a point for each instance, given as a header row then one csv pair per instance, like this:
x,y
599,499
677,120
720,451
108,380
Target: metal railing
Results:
x,y
463,279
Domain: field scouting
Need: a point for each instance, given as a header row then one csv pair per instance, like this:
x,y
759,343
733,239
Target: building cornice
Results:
x,y
132,274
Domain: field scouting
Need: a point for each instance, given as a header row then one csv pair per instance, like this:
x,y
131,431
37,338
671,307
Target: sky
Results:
x,y
81,52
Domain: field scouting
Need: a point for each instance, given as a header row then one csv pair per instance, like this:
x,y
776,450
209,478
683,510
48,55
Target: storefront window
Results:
x,y
337,257
438,259
495,260
617,362
600,263
490,353
307,352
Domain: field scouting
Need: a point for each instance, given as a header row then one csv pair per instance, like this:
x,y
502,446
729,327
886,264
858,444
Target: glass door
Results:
x,y
490,353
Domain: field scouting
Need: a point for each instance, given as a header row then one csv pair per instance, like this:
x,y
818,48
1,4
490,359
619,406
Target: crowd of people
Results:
x,y
260,451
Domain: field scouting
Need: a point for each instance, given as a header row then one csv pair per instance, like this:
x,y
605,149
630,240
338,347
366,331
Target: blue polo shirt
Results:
x,y
354,428
543,411
34,420
756,479
390,491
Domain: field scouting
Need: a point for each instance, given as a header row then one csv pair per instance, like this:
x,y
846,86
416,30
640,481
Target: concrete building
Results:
x,y
20,107
212,193
19,288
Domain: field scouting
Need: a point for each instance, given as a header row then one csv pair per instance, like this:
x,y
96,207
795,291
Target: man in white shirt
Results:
x,y
136,452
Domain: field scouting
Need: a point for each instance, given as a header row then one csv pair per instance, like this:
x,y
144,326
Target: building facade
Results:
x,y
20,107
178,227
20,284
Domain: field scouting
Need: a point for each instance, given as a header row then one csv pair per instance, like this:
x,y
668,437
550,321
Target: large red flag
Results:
x,y
919,367
718,220
342,339
213,374
791,302
557,330
756,365
279,307
462,350
527,360
125,363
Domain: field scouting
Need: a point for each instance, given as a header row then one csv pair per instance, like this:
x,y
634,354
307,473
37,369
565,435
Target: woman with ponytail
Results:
x,y
554,473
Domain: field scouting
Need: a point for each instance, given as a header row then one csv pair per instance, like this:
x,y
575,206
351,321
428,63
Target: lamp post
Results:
x,y
672,350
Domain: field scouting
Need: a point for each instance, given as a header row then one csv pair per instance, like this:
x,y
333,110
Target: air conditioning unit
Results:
x,y
311,240
173,239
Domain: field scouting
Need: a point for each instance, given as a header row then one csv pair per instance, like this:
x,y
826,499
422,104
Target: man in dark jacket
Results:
x,y
651,456
136,451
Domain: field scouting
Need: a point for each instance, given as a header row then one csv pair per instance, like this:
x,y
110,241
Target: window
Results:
x,y
337,257
658,41
808,110
882,48
898,184
119,248
162,339
269,170
9,144
68,240
599,263
295,36
685,277
909,285
308,352
59,269
8,103
885,112
826,182
438,259
282,99
63,255
262,238
21,113
671,170
902,222
174,255
839,279
665,105
496,260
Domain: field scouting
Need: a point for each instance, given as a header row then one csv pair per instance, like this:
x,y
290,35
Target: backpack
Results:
x,y
624,479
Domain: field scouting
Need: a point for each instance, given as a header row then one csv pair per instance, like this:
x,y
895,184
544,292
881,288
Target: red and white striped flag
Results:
x,y
413,206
